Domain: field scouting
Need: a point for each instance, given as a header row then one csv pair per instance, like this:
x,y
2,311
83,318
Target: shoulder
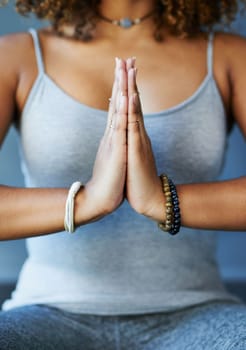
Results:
x,y
15,55
14,42
12,54
230,39
232,48
14,49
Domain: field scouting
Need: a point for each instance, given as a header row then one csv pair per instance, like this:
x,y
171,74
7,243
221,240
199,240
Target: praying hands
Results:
x,y
125,165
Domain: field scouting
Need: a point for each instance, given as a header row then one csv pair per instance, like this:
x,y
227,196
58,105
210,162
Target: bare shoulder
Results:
x,y
14,49
230,38
233,48
14,41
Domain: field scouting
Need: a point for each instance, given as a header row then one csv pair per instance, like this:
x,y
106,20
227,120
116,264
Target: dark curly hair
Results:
x,y
182,17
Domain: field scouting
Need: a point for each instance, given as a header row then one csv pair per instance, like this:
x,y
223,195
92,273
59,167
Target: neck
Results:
x,y
127,8
118,9
132,9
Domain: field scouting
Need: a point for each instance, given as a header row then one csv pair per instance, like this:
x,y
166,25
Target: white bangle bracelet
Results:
x,y
69,209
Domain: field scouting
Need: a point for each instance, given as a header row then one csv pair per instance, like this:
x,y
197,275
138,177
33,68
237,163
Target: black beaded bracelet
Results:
x,y
176,210
173,216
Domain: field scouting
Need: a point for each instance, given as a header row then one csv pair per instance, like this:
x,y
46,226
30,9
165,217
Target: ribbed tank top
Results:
x,y
122,264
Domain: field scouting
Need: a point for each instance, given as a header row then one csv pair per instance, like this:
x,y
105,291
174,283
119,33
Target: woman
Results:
x,y
120,281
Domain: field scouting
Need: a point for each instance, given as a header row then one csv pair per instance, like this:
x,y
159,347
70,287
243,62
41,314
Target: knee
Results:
x,y
239,343
233,328
9,337
15,327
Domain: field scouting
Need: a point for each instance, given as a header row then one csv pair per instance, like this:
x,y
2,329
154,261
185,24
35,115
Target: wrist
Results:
x,y
155,208
89,206
86,208
69,220
173,217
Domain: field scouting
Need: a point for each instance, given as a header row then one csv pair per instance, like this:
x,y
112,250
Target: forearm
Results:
x,y
213,206
27,212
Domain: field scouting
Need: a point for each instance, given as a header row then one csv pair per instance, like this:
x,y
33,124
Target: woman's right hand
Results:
x,y
105,190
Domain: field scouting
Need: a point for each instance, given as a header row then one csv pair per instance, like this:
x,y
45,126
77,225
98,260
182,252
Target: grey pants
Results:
x,y
211,326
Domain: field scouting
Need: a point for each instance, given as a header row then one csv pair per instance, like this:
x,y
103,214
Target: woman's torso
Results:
x,y
122,263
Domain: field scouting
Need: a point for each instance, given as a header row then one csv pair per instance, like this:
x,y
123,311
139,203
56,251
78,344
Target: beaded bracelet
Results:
x,y
173,216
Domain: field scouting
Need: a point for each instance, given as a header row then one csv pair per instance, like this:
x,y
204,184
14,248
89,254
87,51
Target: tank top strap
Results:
x,y
210,52
38,51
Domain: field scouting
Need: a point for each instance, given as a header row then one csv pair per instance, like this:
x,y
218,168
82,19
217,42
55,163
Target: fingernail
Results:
x,y
133,60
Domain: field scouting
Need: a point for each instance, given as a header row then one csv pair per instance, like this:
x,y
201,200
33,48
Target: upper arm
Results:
x,y
8,81
236,56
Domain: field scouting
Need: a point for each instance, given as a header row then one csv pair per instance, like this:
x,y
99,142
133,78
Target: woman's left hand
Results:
x,y
143,185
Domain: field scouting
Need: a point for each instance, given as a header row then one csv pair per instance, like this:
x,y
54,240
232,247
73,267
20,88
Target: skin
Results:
x,y
126,145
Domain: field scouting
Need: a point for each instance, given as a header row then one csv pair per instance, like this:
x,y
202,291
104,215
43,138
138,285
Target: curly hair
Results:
x,y
184,18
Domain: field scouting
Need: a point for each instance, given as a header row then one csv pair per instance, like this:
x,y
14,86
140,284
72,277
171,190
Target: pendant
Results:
x,y
126,23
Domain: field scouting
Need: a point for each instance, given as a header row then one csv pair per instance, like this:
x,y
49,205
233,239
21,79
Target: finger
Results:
x,y
122,86
121,66
112,102
135,115
120,126
122,92
120,117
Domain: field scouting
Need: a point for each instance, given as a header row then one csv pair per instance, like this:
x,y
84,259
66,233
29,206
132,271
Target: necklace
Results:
x,y
126,22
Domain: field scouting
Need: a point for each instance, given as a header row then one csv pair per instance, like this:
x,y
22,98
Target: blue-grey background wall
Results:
x,y
231,245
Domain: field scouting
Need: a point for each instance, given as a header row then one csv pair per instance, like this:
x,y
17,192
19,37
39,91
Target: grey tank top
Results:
x,y
122,264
